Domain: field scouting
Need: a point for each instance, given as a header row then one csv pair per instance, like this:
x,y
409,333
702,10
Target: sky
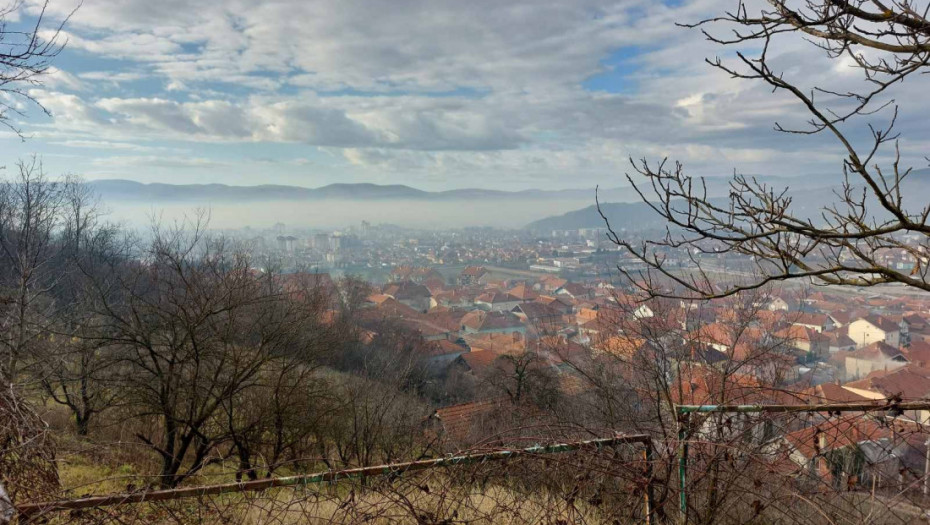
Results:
x,y
435,94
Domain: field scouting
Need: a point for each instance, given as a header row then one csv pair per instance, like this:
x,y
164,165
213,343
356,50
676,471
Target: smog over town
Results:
x,y
437,262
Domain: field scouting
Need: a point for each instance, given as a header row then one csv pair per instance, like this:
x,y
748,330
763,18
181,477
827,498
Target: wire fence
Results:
x,y
841,463
836,463
590,481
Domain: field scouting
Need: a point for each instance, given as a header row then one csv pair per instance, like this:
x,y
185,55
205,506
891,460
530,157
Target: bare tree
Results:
x,y
73,367
888,42
30,217
25,58
193,328
526,377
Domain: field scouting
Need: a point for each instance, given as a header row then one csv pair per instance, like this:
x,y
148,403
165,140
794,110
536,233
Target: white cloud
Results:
x,y
482,88
158,161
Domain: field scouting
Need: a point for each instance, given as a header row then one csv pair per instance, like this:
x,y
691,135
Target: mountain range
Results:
x,y
127,190
622,205
808,196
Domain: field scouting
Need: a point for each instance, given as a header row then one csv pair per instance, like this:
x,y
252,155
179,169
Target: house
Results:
x,y
411,294
876,356
523,292
830,393
551,283
575,291
778,304
537,313
839,342
476,362
482,322
441,353
473,275
563,306
818,322
497,301
427,329
856,450
642,311
806,339
917,327
873,328
456,297
497,343
725,338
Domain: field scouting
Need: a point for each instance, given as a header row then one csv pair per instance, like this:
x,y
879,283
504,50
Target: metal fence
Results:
x,y
581,481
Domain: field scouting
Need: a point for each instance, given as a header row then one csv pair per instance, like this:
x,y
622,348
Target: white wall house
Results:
x,y
867,330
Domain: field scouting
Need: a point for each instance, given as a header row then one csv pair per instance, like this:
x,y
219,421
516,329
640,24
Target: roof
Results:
x,y
880,322
534,311
406,290
444,347
702,385
448,318
425,327
839,339
574,289
479,360
388,308
474,271
458,420
876,351
496,342
797,332
621,346
378,298
554,302
836,433
808,319
497,297
479,320
908,382
918,353
830,393
523,292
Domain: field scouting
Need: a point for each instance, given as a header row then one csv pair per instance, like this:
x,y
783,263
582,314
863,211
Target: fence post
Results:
x,y
683,465
649,497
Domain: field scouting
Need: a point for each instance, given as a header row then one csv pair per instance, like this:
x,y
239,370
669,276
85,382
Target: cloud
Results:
x,y
158,161
62,80
483,89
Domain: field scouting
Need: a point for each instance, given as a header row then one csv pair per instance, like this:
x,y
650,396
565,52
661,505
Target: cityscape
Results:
x,y
432,263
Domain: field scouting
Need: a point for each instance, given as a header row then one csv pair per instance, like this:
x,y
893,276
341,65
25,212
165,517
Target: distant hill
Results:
x,y
808,199
621,215
126,190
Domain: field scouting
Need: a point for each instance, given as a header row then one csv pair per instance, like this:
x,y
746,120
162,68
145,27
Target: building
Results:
x,y
876,356
473,275
874,328
497,301
408,293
